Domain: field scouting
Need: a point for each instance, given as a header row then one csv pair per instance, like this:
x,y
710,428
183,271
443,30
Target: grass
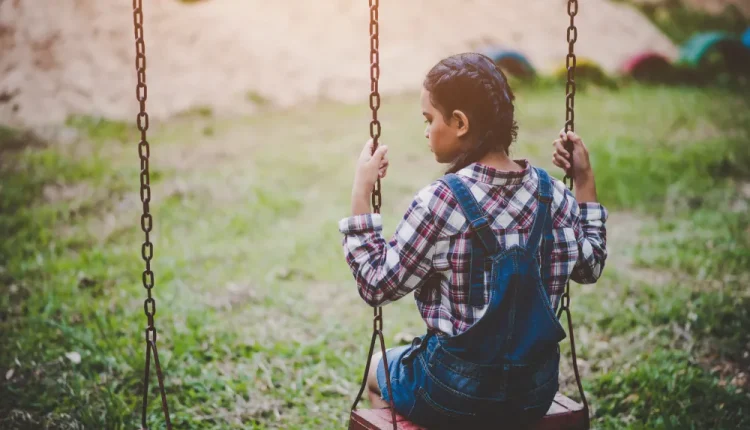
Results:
x,y
660,389
99,129
259,323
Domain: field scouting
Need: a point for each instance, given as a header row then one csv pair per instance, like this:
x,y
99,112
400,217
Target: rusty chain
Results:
x,y
570,86
375,128
374,92
147,249
570,93
376,199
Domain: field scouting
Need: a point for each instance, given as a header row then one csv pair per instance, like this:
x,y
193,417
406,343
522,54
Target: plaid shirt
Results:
x,y
430,251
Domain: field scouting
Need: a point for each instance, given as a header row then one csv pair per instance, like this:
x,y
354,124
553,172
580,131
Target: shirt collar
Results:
x,y
490,175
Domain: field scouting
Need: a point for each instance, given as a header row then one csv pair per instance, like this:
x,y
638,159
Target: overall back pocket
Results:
x,y
431,414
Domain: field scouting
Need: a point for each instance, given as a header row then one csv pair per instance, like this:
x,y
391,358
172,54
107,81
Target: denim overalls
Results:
x,y
503,370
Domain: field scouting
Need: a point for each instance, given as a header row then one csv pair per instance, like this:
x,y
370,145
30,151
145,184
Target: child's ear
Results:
x,y
462,123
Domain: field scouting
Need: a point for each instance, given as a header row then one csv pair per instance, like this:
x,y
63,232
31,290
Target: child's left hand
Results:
x,y
370,167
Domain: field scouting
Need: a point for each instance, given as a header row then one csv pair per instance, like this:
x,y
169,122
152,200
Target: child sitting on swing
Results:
x,y
487,250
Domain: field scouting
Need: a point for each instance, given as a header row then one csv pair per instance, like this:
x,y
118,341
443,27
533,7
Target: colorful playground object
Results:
x,y
649,66
588,73
717,51
512,62
703,57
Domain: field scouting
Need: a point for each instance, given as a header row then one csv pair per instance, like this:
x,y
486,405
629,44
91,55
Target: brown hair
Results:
x,y
473,84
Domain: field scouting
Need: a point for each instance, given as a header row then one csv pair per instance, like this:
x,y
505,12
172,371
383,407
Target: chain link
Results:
x,y
377,321
147,249
570,86
565,298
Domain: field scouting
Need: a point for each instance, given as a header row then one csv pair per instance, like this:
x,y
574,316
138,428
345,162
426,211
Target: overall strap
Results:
x,y
480,226
549,240
542,212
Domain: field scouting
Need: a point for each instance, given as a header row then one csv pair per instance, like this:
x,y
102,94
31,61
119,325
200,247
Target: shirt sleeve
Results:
x,y
388,270
588,223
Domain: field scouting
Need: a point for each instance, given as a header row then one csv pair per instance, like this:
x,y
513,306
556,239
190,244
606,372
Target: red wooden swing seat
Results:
x,y
564,414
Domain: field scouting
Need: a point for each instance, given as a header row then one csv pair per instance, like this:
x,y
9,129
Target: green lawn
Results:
x,y
260,324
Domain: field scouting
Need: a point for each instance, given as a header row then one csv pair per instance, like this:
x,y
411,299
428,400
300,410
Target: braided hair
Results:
x,y
473,84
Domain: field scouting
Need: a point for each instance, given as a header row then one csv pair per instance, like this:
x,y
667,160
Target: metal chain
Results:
x,y
570,93
375,129
374,93
570,86
377,198
147,249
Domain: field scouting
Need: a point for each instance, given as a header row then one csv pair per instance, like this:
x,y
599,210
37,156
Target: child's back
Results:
x,y
487,251
433,243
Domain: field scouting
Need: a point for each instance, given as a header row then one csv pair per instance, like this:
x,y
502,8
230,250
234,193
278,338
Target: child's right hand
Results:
x,y
561,156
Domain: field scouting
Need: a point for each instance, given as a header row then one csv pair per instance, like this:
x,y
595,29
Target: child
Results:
x,y
487,250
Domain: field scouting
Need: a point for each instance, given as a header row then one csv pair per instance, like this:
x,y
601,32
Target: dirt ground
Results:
x,y
76,57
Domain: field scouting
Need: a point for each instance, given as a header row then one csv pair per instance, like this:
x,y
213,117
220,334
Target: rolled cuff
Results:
x,y
591,211
361,224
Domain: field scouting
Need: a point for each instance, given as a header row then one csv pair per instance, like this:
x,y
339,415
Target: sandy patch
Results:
x,y
77,56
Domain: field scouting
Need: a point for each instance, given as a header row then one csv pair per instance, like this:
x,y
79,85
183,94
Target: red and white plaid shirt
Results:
x,y
433,242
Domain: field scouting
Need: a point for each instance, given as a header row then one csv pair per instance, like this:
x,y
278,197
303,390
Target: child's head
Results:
x,y
468,105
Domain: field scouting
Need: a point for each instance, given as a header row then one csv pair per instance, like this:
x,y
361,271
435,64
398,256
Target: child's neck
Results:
x,y
500,161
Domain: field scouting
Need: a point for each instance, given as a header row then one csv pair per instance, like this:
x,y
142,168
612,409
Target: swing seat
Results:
x,y
564,414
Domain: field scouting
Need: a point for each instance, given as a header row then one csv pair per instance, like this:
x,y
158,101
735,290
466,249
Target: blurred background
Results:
x,y
257,113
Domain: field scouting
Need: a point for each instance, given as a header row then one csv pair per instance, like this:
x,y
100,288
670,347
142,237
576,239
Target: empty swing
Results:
x,y
147,249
